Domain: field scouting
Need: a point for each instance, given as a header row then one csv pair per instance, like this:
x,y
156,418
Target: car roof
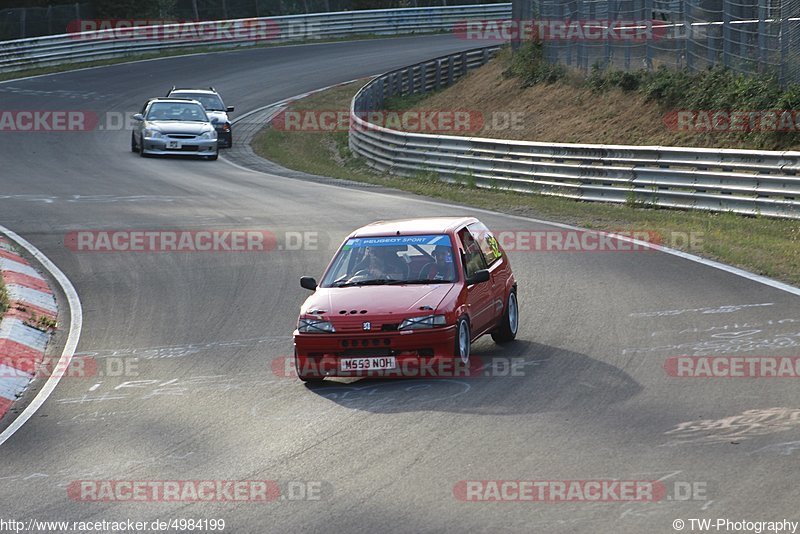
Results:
x,y
174,100
430,225
199,91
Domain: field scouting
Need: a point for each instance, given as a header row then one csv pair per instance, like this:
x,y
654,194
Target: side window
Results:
x,y
473,258
487,242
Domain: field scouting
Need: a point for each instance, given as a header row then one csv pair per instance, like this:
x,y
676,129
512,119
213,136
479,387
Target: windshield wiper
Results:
x,y
427,281
373,282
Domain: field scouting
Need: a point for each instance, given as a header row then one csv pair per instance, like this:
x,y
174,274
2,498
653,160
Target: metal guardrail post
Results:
x,y
762,34
726,33
689,37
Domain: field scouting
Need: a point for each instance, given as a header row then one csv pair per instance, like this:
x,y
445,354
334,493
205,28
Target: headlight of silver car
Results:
x,y
428,321
315,326
209,135
153,134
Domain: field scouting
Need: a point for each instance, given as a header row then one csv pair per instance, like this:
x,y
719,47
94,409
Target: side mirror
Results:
x,y
138,117
479,277
307,282
229,109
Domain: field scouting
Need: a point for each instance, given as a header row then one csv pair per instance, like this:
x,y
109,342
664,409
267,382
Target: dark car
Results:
x,y
215,108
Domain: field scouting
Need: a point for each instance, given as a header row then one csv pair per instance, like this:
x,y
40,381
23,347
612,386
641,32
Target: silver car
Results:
x,y
174,126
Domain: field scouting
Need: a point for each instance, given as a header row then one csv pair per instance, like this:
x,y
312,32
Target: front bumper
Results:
x,y
224,139
186,147
428,353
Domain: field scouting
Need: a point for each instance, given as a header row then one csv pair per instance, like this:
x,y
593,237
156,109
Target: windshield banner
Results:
x,y
397,241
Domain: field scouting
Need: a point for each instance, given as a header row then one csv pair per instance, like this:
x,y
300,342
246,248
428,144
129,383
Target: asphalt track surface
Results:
x,y
203,329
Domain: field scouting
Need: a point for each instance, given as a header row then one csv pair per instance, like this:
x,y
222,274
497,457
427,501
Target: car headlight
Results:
x,y
428,321
315,326
208,135
154,134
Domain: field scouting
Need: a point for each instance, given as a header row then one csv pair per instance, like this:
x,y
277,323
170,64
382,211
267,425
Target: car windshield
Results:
x,y
385,260
176,111
210,102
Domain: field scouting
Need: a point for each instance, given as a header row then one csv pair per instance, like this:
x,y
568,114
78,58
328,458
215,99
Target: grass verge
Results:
x,y
761,245
3,298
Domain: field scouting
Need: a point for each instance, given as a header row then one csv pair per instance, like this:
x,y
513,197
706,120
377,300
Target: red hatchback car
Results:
x,y
403,295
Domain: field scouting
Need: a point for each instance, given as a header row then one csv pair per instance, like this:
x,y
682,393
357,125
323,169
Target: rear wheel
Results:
x,y
463,342
509,324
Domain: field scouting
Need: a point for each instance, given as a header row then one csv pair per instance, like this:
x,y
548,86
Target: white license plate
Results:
x,y
174,144
374,363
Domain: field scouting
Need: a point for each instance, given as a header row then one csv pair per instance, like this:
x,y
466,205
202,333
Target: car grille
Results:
x,y
181,136
366,342
185,148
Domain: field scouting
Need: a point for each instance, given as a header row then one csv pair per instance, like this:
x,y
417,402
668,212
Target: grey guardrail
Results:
x,y
113,43
742,181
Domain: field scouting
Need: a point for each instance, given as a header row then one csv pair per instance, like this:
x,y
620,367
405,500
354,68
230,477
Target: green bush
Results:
x,y
3,298
531,67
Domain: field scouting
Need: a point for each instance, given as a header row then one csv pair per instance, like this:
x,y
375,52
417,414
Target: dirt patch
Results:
x,y
563,112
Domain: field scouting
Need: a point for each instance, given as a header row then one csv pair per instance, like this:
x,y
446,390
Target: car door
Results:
x,y
496,263
479,296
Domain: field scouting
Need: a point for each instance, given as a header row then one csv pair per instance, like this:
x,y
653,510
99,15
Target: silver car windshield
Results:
x,y
176,111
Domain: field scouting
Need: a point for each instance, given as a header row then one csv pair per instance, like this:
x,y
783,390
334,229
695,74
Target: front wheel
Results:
x,y
141,147
214,157
507,330
463,342
133,143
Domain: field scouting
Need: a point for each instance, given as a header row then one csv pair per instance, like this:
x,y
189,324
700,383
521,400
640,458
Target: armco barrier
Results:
x,y
742,181
105,44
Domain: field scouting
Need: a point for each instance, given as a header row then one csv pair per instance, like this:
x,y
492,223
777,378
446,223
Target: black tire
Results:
x,y
509,324
308,379
141,147
462,348
133,143
214,157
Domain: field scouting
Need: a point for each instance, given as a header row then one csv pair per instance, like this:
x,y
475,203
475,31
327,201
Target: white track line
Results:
x,y
691,257
76,323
